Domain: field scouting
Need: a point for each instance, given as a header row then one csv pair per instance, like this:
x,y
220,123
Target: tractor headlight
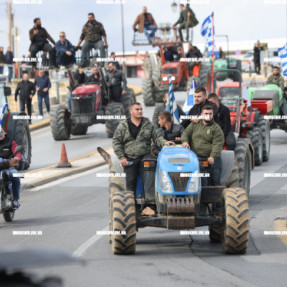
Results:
x,y
164,182
173,78
164,78
194,183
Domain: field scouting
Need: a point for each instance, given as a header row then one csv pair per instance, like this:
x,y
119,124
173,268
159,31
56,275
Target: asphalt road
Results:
x,y
69,213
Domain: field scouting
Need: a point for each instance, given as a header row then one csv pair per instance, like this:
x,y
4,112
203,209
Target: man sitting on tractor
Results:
x,y
200,99
222,118
95,77
169,130
7,150
277,79
145,23
206,140
116,82
160,108
194,54
132,141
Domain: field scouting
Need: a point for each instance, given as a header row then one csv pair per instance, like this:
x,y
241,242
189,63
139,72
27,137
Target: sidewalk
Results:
x,y
51,173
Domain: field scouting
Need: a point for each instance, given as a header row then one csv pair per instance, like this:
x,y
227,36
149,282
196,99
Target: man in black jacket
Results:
x,y
169,130
2,60
9,60
95,77
116,82
222,118
39,41
200,99
26,89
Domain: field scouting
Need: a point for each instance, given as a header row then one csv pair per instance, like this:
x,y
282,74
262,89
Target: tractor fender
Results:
x,y
251,149
114,167
227,157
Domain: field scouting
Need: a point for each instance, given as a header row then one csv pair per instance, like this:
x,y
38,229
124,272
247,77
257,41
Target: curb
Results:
x,y
46,123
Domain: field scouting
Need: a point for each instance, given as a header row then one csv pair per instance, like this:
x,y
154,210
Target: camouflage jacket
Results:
x,y
279,81
125,145
204,140
93,32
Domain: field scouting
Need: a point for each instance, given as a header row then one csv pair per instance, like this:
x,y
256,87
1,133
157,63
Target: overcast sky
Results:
x,y
240,19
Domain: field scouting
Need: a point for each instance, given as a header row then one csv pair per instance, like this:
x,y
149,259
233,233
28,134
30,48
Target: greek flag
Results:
x,y
171,105
189,102
282,52
207,31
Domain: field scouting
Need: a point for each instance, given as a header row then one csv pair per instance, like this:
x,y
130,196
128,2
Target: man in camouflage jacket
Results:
x,y
132,141
92,33
276,78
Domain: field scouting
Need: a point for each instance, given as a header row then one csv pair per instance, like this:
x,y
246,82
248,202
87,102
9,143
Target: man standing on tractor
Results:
x,y
222,118
186,20
116,82
257,49
132,141
206,140
168,130
145,22
93,32
200,99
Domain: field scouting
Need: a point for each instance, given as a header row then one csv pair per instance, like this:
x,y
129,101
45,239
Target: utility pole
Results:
x,y
10,17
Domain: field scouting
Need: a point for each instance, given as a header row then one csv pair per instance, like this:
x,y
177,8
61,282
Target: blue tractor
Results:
x,y
171,186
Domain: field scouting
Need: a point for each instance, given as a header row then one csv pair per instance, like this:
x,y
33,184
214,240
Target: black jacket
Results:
x,y
194,53
196,111
2,58
257,53
223,119
41,38
9,57
116,78
5,164
25,89
92,80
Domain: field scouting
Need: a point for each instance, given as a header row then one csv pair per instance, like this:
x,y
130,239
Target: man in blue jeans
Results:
x,y
7,150
43,84
145,22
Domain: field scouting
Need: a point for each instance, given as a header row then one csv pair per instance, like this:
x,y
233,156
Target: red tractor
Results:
x,y
247,123
90,104
156,80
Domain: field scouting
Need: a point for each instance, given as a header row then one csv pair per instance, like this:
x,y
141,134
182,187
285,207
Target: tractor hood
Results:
x,y
85,90
177,159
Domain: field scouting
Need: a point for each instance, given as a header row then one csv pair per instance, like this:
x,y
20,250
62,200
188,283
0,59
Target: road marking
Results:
x,y
280,224
87,244
68,178
41,136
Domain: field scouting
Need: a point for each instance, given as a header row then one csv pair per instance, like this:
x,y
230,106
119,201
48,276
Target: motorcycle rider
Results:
x,y
7,149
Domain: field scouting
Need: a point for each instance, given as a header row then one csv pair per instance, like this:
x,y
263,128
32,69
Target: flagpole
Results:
x,y
212,66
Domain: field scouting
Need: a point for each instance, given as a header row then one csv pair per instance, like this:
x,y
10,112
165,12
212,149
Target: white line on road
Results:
x,y
68,178
87,244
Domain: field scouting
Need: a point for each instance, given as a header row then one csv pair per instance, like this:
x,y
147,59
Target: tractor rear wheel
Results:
x,y
265,132
60,123
257,142
243,157
123,222
147,92
113,109
236,217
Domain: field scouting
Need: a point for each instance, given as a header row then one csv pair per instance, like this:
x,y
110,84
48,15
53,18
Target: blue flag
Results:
x,y
190,98
282,52
171,105
207,31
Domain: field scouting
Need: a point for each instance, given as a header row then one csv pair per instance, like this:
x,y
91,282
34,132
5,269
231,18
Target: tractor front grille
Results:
x,y
83,105
179,182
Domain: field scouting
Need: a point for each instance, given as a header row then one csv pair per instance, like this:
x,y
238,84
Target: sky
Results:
x,y
240,19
